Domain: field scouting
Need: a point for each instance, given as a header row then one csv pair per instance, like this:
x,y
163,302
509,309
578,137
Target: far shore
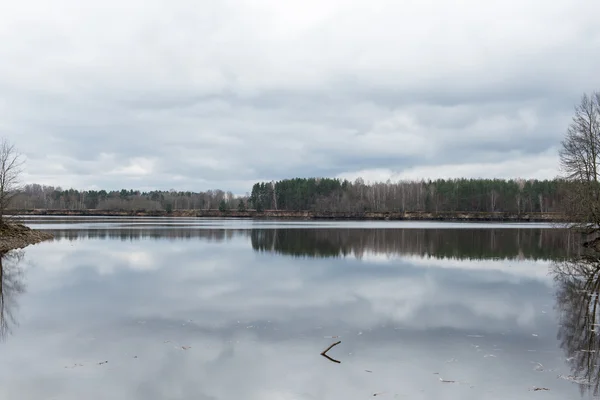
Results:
x,y
308,215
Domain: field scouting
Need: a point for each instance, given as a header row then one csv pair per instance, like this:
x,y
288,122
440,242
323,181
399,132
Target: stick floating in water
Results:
x,y
324,352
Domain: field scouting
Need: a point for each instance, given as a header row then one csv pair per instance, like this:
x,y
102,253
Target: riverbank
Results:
x,y
311,215
17,236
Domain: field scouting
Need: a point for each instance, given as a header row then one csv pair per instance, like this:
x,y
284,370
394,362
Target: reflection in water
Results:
x,y
441,243
485,243
185,318
11,285
157,233
578,288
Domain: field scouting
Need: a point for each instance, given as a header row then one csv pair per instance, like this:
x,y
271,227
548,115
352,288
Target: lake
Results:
x,y
159,308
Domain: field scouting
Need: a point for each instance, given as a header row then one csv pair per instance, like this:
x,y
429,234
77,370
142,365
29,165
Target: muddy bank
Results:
x,y
17,236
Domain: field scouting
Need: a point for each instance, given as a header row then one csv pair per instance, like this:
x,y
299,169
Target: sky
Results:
x,y
198,95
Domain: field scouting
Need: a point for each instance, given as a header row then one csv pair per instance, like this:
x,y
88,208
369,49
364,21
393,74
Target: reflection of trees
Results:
x,y
578,288
484,243
11,285
159,233
441,243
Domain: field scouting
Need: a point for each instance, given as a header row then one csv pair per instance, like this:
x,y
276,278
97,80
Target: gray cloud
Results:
x,y
198,96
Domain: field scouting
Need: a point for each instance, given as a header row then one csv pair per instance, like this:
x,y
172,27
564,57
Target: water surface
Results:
x,y
157,308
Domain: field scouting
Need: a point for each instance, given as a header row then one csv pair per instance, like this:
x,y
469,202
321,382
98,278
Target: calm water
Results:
x,y
188,309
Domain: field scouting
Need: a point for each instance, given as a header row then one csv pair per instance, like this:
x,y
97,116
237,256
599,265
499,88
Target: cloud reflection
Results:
x,y
256,322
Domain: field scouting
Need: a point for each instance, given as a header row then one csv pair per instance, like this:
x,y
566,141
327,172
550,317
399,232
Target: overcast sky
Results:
x,y
195,95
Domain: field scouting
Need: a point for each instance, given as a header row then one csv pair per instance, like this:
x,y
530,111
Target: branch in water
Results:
x,y
324,352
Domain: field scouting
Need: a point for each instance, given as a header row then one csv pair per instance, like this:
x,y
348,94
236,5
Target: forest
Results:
x,y
55,198
467,195
319,195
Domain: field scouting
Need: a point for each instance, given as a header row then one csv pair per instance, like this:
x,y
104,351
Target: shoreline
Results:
x,y
308,215
15,236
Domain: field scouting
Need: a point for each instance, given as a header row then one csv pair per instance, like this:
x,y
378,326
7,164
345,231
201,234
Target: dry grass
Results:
x,y
17,236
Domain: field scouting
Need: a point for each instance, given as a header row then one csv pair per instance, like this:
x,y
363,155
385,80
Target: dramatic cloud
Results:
x,y
198,95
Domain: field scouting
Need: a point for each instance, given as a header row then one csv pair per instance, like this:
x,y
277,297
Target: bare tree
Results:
x,y
10,172
580,162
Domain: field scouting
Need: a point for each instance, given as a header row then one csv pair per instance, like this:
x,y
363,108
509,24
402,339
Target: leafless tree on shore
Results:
x,y
11,168
580,163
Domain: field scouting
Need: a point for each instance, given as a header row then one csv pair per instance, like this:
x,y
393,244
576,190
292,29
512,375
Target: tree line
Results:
x,y
452,195
318,194
36,196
